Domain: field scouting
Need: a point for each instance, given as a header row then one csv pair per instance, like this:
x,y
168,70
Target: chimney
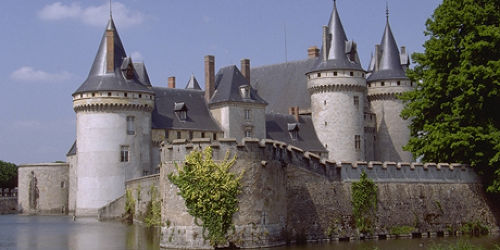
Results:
x,y
209,76
171,82
110,51
313,52
377,57
325,43
295,112
245,68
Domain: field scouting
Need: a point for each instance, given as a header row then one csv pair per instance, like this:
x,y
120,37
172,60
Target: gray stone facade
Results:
x,y
289,195
43,188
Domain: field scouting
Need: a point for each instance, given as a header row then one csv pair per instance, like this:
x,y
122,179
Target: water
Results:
x,y
61,232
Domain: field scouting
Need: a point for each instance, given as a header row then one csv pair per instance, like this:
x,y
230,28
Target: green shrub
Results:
x,y
210,192
402,230
153,210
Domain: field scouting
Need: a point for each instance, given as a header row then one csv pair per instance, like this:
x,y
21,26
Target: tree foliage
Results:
x,y
455,108
364,203
210,192
8,175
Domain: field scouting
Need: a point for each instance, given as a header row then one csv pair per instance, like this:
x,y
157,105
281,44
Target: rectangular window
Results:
x,y
357,142
247,114
202,134
190,135
215,136
356,101
130,125
178,134
248,132
124,154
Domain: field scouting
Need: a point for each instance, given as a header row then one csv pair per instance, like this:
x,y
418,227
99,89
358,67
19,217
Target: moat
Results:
x,y
61,232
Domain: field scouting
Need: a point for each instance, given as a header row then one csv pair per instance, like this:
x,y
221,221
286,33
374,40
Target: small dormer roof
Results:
x,y
108,76
193,83
389,64
227,87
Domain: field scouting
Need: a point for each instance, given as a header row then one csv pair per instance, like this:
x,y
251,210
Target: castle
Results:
x,y
303,131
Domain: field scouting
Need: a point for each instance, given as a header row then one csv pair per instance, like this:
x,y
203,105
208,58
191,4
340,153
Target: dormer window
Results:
x,y
180,110
245,91
293,131
128,68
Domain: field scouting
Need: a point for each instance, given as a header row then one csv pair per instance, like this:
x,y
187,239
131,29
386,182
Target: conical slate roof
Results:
x,y
227,87
193,83
102,79
389,61
337,47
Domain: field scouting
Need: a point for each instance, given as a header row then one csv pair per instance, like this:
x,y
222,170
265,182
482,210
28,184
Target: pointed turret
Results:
x,y
337,52
193,83
388,65
112,69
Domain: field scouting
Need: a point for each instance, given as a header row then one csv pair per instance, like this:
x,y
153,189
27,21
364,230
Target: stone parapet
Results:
x,y
266,150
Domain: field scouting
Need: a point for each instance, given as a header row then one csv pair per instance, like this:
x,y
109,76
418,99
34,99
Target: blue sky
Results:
x,y
48,47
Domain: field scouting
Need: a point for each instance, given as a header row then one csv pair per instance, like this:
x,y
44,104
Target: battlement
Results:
x,y
264,151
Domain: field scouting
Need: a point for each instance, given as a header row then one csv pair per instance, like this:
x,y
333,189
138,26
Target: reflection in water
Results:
x,y
61,232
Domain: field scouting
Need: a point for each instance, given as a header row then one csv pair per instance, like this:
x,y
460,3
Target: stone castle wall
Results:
x,y
142,191
43,188
289,195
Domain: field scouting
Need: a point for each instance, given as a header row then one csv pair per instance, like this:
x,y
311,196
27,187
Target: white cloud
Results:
x,y
29,74
91,15
137,56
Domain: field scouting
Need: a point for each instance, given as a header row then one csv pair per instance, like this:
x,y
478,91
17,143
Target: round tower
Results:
x,y
386,80
113,126
337,87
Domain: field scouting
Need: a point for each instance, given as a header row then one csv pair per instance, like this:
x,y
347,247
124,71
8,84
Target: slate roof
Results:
x,y
98,78
277,129
227,87
337,47
72,150
283,85
390,60
198,115
142,73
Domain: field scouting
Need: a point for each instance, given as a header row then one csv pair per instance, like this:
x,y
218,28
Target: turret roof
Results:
x,y
99,79
337,47
193,83
389,66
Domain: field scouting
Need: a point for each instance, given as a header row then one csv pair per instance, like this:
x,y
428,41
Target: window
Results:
x,y
140,96
326,123
293,130
319,74
245,91
247,114
215,136
178,134
109,93
369,84
130,125
356,101
248,132
357,142
382,84
93,94
190,135
335,73
324,102
202,134
124,154
399,83
351,73
125,94
62,184
181,109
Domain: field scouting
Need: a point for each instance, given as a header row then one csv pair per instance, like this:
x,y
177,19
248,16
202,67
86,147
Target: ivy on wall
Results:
x,y
153,210
210,192
364,203
128,216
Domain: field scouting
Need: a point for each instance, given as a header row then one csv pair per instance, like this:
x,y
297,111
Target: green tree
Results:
x,y
455,108
8,175
364,203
